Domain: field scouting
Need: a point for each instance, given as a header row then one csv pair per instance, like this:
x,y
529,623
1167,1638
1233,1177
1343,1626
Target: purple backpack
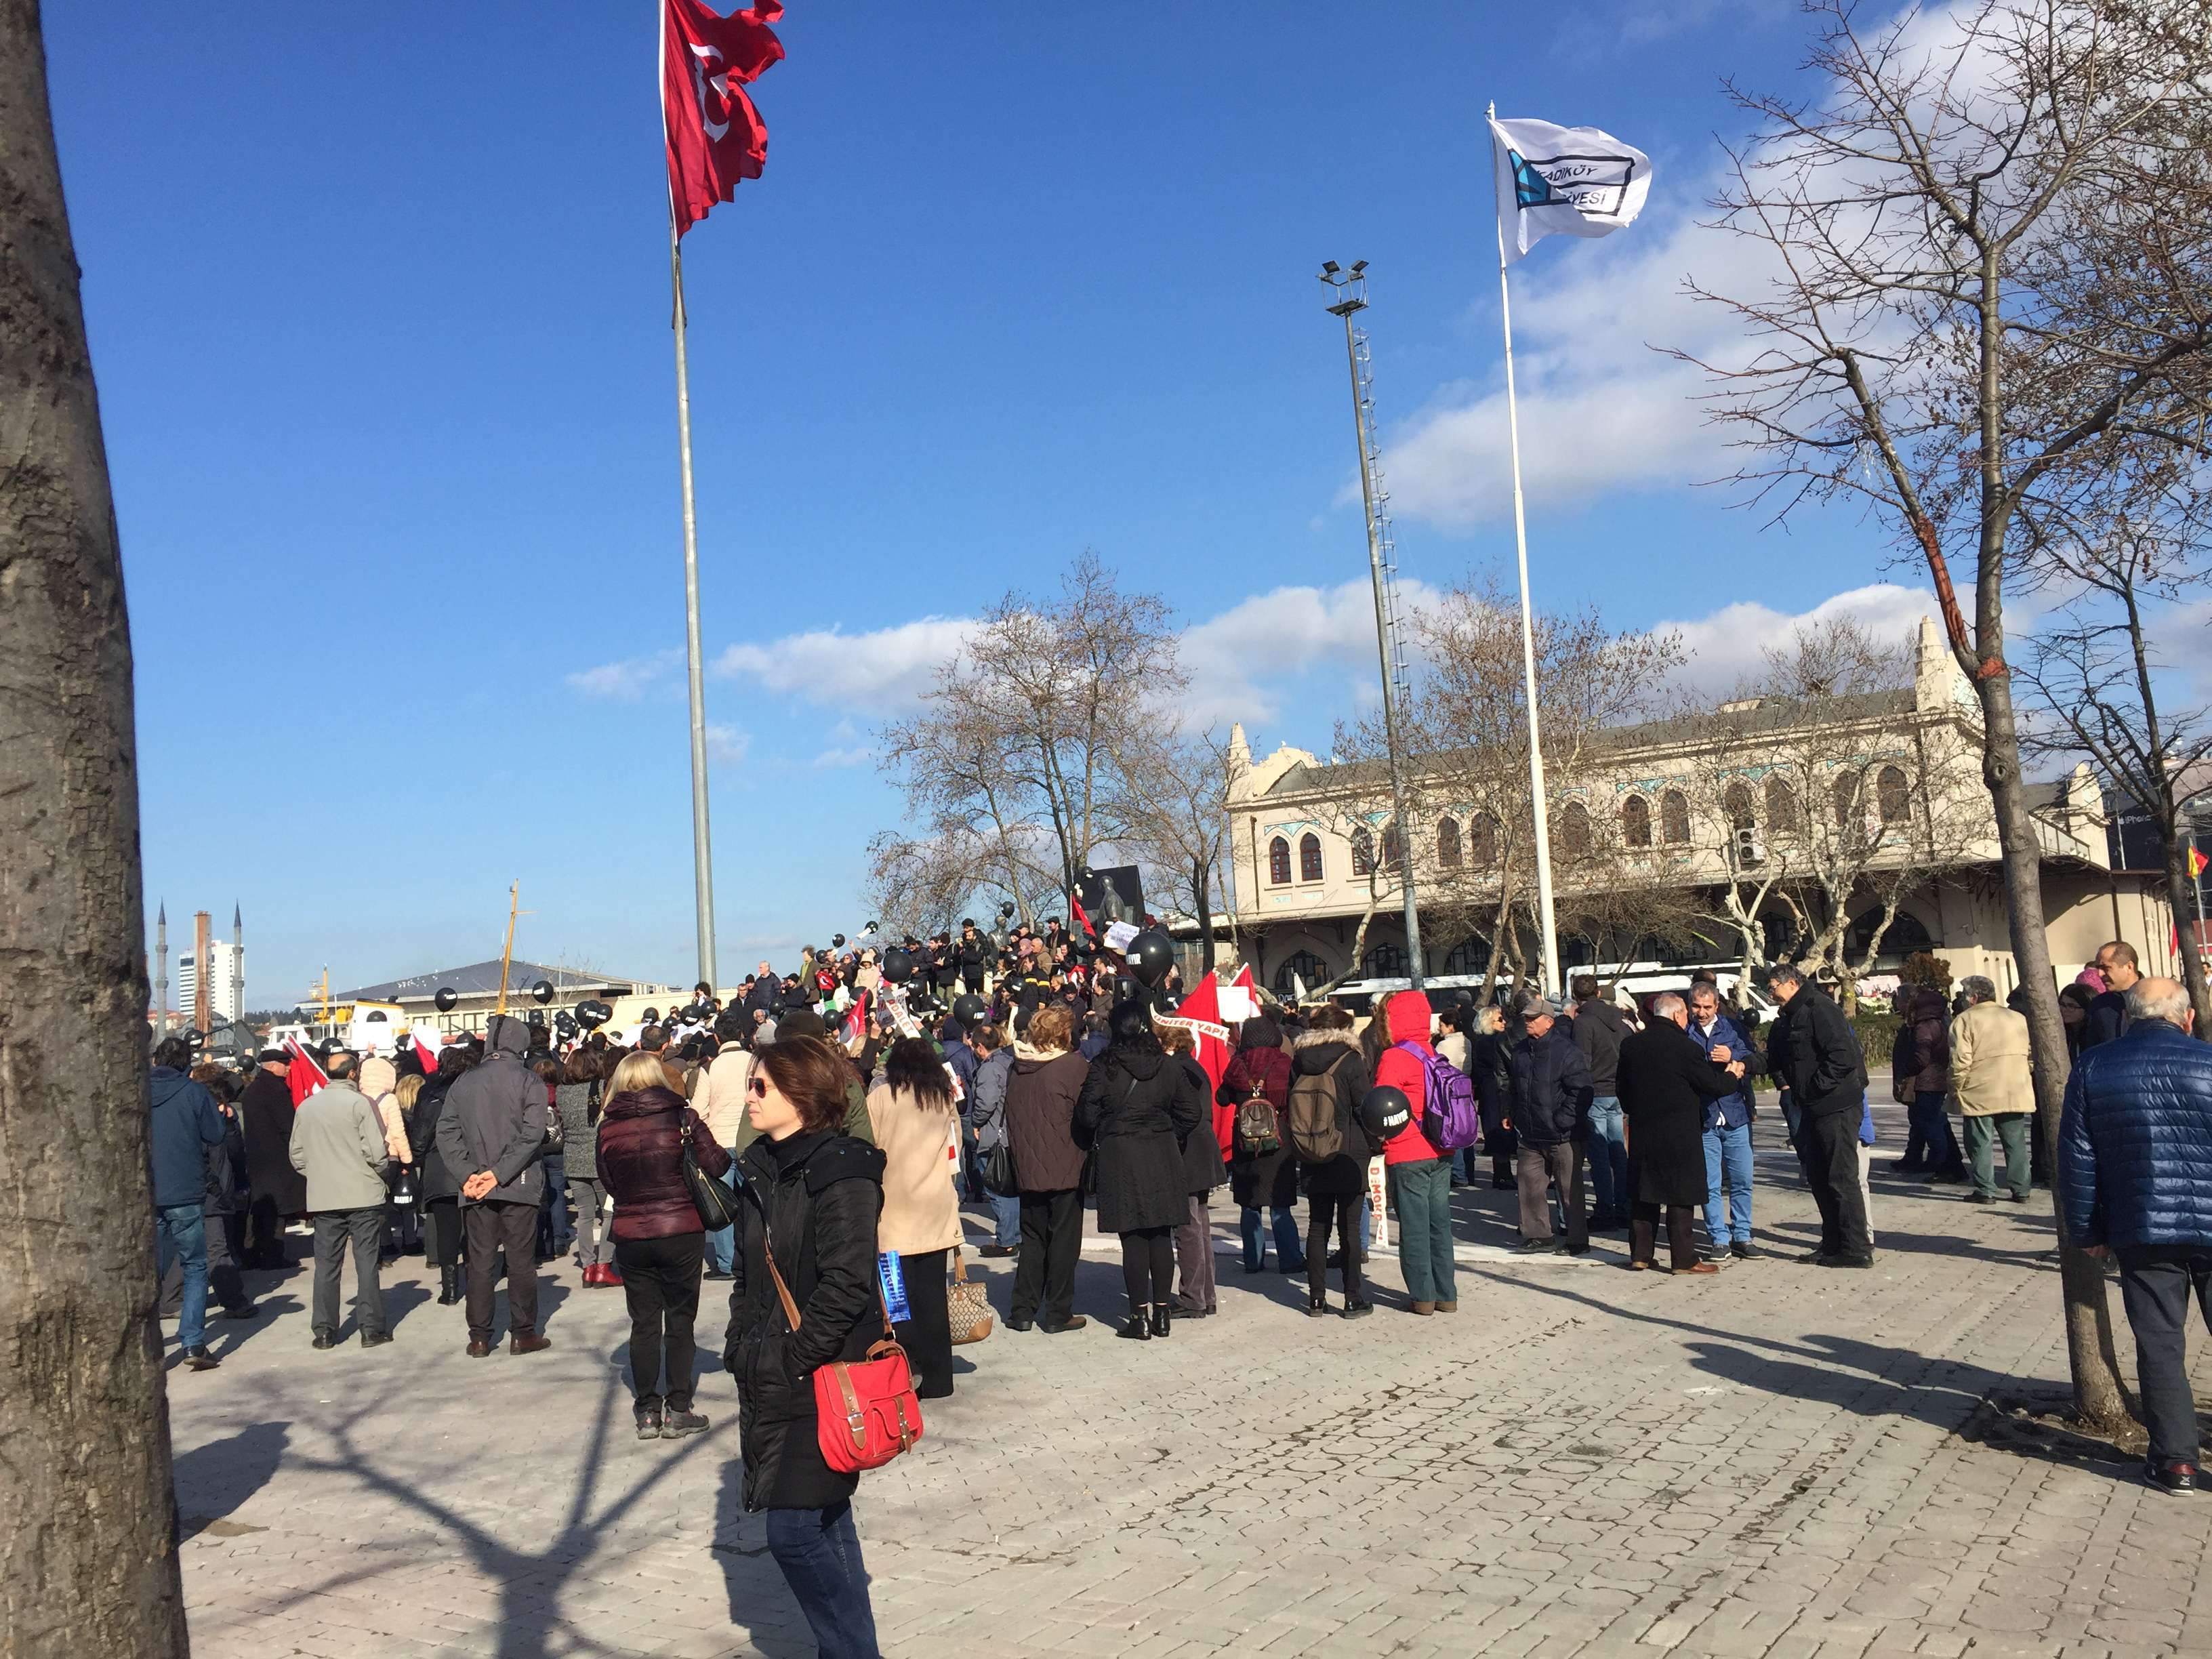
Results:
x,y
1449,1116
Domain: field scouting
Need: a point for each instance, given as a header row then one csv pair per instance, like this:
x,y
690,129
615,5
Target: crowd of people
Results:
x,y
849,1109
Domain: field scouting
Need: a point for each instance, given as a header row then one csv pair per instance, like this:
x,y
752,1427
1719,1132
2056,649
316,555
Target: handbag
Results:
x,y
866,1412
716,1204
966,1305
996,1166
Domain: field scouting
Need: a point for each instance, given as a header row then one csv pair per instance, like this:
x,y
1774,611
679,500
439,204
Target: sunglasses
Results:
x,y
757,1088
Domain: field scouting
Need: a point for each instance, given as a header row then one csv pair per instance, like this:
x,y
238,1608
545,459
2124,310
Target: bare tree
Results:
x,y
1170,792
1986,241
89,1558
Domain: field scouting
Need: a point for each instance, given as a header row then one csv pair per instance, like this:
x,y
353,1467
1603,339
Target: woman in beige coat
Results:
x,y
915,1126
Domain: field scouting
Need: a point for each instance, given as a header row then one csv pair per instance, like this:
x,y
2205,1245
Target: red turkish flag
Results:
x,y
715,134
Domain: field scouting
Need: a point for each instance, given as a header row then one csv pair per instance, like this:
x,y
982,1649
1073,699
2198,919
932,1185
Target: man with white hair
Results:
x,y
1995,1092
2135,1177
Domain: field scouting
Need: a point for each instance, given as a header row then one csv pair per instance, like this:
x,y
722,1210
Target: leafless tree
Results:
x,y
89,1552
1985,241
1170,792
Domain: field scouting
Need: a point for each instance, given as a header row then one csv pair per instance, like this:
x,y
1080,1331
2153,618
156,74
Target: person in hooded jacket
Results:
x,y
439,1189
277,1190
1041,1091
492,1133
1203,1171
1336,1188
183,1126
659,1239
1920,1061
1419,1175
812,1196
1263,1178
1136,1111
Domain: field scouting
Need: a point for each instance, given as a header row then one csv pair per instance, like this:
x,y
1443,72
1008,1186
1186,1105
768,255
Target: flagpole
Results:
x,y
1549,935
701,854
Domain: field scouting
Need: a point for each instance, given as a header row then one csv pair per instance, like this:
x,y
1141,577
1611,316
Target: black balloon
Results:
x,y
446,997
898,965
651,1017
872,928
1150,955
593,1013
542,991
969,1011
1385,1113
565,1023
835,940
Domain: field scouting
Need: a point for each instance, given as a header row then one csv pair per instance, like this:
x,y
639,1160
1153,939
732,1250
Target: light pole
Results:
x,y
1348,289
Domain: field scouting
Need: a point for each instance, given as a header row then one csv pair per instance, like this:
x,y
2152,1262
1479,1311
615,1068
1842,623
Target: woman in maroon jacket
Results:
x,y
659,1240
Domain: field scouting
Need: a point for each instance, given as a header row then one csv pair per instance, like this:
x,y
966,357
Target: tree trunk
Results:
x,y
1198,874
88,1558
2098,1394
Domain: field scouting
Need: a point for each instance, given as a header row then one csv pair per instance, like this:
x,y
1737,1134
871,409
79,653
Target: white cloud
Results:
x,y
874,674
1240,661
727,745
831,758
1724,646
630,679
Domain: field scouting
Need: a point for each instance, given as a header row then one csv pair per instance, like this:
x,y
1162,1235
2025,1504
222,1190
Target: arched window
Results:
x,y
1469,955
1783,817
1308,857
1636,821
1384,961
1301,965
1905,933
1675,818
1447,844
1278,863
1892,797
1575,830
1363,852
1482,840
1393,850
1736,802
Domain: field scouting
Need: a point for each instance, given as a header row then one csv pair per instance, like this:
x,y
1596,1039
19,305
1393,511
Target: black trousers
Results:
x,y
1148,1266
1828,1147
927,1331
1681,1242
226,1242
2156,1281
494,1226
1052,1243
1341,1212
442,1248
266,1247
660,1283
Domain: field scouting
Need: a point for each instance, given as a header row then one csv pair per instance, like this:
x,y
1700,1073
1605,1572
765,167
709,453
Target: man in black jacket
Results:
x,y
492,1135
1551,1107
2107,1016
1813,1052
1600,1029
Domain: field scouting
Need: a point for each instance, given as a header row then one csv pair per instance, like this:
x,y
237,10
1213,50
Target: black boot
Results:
x,y
449,1285
1139,1329
1160,1318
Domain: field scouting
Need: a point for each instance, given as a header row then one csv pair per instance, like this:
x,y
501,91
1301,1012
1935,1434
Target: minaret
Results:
x,y
161,970
238,958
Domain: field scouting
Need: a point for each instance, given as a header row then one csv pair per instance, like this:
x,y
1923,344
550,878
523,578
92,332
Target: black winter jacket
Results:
x,y
1551,1088
1600,1029
1136,1110
815,1198
1812,1051
438,1181
1490,1063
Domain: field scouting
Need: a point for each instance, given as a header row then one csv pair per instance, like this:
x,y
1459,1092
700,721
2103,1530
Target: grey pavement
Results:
x,y
1779,1460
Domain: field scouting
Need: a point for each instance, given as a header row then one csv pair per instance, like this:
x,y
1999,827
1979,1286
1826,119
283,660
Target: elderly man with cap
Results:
x,y
338,1143
2134,1181
275,1189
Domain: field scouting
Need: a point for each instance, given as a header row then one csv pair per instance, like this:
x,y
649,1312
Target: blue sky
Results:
x,y
378,306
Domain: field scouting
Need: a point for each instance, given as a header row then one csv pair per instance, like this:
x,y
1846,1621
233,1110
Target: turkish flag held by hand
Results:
x,y
715,137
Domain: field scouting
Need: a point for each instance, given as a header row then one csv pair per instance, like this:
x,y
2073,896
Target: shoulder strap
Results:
x,y
783,1291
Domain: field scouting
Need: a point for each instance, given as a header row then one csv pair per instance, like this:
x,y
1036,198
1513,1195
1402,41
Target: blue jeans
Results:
x,y
1007,1214
1422,1189
1290,1249
1608,1158
819,1551
1728,1162
722,1245
180,1235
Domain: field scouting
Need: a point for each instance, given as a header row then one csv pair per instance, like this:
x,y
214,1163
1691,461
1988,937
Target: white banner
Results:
x,y
1578,180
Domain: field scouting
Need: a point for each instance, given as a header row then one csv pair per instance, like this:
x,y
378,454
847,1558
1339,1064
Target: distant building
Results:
x,y
477,987
226,982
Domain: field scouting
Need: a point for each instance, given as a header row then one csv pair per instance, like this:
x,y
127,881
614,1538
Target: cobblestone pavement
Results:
x,y
1776,1460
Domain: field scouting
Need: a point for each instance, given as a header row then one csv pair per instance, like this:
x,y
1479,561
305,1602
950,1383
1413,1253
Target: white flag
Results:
x,y
1576,179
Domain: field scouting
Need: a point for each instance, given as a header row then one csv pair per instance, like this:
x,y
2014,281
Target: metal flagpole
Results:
x,y
701,854
1550,937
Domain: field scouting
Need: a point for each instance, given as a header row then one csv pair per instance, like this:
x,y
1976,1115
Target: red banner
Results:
x,y
715,137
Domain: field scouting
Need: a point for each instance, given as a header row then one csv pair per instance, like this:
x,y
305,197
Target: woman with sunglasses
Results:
x,y
812,1195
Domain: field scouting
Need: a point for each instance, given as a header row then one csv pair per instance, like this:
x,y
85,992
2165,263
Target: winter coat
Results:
x,y
184,1123
580,1141
919,1143
1922,1053
439,1180
813,1198
1040,1097
1666,1081
1813,1052
1136,1110
1260,1180
1456,1046
1410,1017
640,1153
495,1118
264,1112
1203,1168
1732,1111
1989,1069
378,1081
1552,1089
1314,1052
1600,1029
987,1101
225,1170
721,1101
338,1143
2135,1142
1491,1066
2106,1018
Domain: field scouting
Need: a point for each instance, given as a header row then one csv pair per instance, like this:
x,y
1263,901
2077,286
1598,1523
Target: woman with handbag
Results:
x,y
659,1241
1137,1109
813,1194
918,1133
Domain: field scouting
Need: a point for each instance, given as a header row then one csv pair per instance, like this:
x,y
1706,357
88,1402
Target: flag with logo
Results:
x,y
1579,181
715,137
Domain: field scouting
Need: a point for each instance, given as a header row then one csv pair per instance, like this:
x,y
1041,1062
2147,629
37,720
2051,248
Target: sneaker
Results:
x,y
674,1426
200,1359
1744,1252
648,1424
2170,1476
